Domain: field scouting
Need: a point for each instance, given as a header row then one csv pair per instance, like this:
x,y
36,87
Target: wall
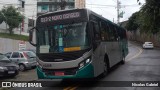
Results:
x,y
80,3
3,25
7,45
142,37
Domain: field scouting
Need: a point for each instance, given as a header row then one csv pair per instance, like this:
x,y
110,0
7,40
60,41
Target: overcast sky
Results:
x,y
106,8
110,11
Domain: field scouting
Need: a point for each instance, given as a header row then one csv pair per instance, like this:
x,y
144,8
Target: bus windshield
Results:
x,y
63,38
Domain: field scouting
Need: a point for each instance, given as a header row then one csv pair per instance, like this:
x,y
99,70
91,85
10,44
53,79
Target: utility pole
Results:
x,y
22,9
63,4
118,7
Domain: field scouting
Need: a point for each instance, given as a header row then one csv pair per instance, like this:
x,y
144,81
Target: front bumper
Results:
x,y
85,72
9,73
148,47
30,65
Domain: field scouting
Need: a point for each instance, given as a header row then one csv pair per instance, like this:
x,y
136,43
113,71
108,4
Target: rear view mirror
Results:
x,y
32,36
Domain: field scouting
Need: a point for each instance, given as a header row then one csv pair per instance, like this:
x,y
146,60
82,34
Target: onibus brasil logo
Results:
x,y
20,84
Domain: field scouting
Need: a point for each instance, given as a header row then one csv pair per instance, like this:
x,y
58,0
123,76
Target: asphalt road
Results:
x,y
141,65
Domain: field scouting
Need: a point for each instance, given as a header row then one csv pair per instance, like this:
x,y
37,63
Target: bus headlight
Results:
x,y
85,62
88,60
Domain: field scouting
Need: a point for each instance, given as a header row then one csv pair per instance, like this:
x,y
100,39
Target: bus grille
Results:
x,y
69,71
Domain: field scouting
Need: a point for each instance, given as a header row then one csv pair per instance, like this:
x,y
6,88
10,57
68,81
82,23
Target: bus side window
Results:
x,y
96,31
113,33
104,32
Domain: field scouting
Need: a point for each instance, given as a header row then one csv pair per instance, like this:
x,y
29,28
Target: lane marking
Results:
x,y
140,51
67,88
72,87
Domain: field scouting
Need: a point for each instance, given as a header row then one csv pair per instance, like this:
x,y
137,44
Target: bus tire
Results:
x,y
123,58
106,66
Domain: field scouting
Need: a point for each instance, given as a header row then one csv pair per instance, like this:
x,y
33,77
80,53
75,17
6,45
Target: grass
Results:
x,y
4,88
14,36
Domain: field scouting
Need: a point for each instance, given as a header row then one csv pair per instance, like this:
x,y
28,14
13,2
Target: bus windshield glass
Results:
x,y
63,38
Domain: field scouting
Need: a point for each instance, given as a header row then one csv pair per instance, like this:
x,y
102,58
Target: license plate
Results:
x,y
11,72
59,73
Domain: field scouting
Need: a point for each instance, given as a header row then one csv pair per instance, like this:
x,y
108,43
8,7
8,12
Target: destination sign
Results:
x,y
60,17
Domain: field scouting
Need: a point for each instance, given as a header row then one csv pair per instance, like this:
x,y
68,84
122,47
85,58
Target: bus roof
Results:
x,y
88,12
48,13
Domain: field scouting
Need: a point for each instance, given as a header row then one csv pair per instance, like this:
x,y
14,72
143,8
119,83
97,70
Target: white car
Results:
x,y
148,45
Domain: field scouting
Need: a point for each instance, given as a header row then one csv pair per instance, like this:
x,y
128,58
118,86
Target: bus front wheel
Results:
x,y
106,68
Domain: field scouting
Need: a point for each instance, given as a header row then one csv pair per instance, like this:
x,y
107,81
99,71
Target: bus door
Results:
x,y
97,54
118,46
115,46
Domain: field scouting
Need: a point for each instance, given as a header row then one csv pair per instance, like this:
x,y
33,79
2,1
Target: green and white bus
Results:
x,y
77,43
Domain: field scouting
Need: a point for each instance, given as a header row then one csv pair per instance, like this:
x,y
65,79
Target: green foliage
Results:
x,y
147,19
1,17
14,36
12,17
132,24
150,17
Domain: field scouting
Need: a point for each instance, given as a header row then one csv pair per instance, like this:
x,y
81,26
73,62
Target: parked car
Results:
x,y
25,59
7,68
33,50
148,45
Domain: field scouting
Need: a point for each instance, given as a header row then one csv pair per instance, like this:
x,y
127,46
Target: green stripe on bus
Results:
x,y
85,72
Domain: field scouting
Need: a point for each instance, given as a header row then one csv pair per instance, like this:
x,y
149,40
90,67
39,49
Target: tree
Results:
x,y
132,24
1,17
150,17
12,17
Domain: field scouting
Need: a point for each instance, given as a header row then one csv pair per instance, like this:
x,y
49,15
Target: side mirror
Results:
x,y
31,33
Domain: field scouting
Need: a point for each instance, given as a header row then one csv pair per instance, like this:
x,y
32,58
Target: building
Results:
x,y
22,29
44,6
80,3
26,24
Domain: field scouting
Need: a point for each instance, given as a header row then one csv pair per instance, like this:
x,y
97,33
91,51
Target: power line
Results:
x,y
102,5
115,1
114,5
